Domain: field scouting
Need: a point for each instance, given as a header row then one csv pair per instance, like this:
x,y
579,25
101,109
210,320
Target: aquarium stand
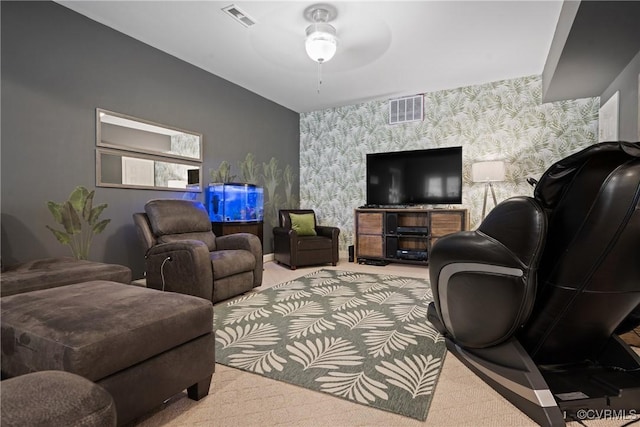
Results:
x,y
224,228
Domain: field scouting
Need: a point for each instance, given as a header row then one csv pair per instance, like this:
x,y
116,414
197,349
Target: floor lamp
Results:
x,y
488,172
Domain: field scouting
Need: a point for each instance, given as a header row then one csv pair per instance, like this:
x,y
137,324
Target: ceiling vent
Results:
x,y
407,109
239,15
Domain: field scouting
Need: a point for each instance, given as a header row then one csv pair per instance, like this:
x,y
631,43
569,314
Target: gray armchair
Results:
x,y
183,254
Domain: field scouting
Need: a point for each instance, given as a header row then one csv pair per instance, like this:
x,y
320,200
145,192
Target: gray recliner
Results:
x,y
183,254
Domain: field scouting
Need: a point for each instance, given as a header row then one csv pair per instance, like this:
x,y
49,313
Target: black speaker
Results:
x,y
351,253
392,223
392,247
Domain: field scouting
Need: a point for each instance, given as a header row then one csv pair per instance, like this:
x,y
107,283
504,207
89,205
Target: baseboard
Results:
x,y
267,258
139,282
270,257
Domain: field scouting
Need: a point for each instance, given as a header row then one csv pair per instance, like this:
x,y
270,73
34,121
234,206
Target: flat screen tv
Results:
x,y
416,177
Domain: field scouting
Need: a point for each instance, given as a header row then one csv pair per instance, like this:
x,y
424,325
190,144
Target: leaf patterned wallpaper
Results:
x,y
503,120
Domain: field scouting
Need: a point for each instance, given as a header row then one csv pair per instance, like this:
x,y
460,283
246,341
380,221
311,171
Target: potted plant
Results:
x,y
79,219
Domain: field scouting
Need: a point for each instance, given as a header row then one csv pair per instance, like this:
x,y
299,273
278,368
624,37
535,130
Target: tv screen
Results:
x,y
416,177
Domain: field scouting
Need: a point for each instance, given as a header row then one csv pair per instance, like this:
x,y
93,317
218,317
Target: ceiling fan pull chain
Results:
x,y
319,75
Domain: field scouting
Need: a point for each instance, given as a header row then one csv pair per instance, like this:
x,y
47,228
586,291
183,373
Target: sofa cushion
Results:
x,y
95,329
53,272
303,224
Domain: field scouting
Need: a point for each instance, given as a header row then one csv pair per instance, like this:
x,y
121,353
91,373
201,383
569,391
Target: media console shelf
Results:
x,y
404,234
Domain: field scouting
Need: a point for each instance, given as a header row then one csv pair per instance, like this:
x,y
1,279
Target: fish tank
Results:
x,y
235,202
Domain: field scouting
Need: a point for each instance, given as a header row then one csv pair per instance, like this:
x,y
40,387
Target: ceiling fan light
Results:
x,y
321,42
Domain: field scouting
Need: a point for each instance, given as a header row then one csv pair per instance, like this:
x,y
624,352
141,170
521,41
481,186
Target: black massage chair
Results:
x,y
534,299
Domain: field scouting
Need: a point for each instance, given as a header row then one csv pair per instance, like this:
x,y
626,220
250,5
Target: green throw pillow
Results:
x,y
303,224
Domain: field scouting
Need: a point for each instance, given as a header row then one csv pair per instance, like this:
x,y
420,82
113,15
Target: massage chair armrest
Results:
x,y
248,242
484,281
183,267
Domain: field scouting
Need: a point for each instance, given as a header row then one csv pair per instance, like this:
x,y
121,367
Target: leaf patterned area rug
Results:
x,y
359,336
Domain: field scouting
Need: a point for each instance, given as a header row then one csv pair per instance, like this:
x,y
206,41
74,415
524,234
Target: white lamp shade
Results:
x,y
321,42
492,171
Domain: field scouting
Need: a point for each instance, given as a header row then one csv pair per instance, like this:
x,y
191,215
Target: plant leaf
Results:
x,y
77,198
56,211
95,213
99,227
62,237
70,219
87,207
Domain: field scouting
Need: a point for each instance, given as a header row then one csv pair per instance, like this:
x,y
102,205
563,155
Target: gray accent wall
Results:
x,y
57,68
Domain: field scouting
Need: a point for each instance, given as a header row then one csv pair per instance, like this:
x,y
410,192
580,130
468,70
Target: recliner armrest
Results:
x,y
327,231
248,242
183,267
281,231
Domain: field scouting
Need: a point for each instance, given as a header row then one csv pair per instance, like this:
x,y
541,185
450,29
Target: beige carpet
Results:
x,y
238,398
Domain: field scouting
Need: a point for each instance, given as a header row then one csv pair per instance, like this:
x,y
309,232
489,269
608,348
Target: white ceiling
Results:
x,y
386,49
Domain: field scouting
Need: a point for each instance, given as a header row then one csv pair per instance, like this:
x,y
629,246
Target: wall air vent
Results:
x,y
407,109
239,15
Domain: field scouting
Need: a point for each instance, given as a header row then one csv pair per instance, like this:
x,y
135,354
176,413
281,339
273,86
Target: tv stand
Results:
x,y
403,235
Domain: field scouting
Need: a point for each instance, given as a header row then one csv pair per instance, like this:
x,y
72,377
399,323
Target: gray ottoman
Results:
x,y
142,345
55,398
